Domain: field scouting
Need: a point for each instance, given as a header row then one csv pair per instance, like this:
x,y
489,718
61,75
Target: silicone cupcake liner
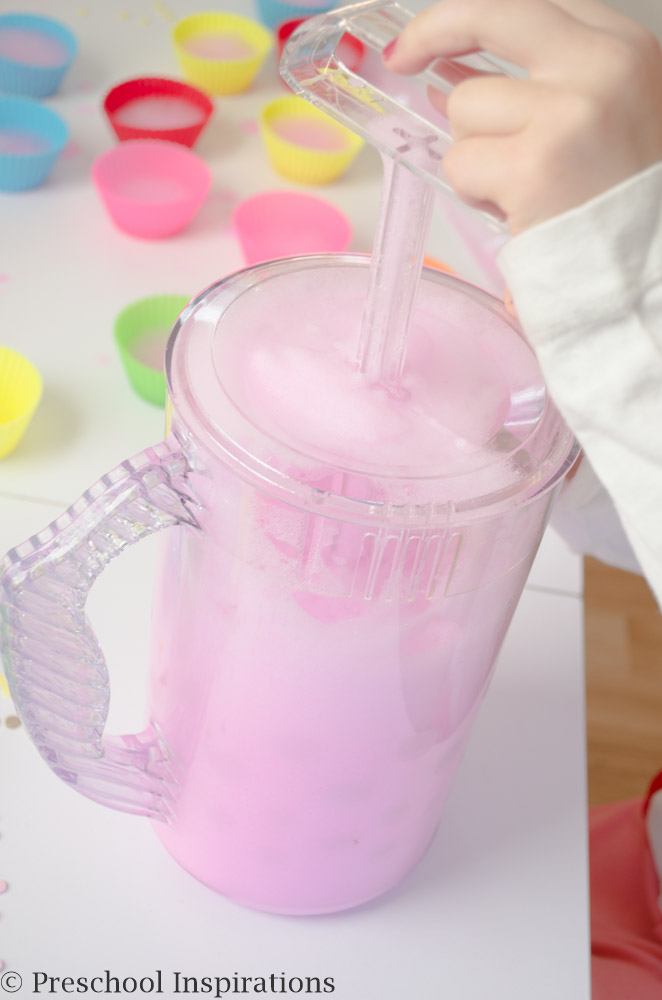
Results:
x,y
296,161
222,75
132,90
20,392
29,79
39,136
350,50
287,223
274,12
151,189
159,312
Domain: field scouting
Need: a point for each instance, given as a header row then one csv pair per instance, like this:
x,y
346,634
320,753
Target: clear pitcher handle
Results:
x,y
312,67
55,668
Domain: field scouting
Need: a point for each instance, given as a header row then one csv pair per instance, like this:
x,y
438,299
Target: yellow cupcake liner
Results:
x,y
221,76
296,162
20,392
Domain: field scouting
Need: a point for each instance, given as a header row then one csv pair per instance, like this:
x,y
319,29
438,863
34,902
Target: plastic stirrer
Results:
x,y
397,260
412,149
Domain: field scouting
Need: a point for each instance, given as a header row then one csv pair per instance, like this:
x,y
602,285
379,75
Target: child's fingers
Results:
x,y
478,169
452,73
526,32
585,119
493,106
438,100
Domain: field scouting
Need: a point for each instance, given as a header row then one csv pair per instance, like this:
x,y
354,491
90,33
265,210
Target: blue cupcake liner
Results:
x,y
21,171
24,79
274,12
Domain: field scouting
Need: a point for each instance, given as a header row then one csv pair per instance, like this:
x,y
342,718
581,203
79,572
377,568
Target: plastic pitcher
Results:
x,y
343,566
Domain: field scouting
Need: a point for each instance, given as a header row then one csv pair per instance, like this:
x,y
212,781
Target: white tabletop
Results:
x,y
498,908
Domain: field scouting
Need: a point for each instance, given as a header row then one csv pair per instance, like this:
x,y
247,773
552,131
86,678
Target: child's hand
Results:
x,y
588,116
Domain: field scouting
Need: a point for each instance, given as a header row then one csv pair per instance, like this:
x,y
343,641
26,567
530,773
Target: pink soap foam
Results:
x,y
32,47
304,131
293,363
218,45
158,112
71,150
19,143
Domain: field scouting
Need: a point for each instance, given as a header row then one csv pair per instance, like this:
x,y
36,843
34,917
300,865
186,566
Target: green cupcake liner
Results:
x,y
137,321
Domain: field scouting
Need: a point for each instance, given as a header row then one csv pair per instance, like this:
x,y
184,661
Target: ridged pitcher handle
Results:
x,y
54,665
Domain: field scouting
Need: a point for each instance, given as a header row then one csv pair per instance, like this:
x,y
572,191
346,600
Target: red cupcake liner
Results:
x,y
153,86
350,49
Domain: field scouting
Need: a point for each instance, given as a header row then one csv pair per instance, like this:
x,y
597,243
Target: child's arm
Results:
x,y
571,157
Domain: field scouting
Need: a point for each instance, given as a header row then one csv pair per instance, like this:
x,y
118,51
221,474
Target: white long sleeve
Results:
x,y
588,290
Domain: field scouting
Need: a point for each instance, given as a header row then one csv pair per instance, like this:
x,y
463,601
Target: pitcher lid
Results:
x,y
259,374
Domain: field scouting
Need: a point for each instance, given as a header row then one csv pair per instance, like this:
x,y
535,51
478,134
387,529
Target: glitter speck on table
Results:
x,y
164,11
70,150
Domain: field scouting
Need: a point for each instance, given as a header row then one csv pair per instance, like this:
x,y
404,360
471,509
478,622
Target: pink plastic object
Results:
x,y
350,50
151,188
284,223
167,99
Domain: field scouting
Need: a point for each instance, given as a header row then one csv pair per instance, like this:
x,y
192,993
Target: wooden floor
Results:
x,y
623,628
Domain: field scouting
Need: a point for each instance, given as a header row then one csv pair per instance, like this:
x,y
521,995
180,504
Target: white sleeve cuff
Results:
x,y
600,258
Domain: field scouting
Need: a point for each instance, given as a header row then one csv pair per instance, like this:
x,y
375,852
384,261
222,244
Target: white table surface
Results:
x,y
498,909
